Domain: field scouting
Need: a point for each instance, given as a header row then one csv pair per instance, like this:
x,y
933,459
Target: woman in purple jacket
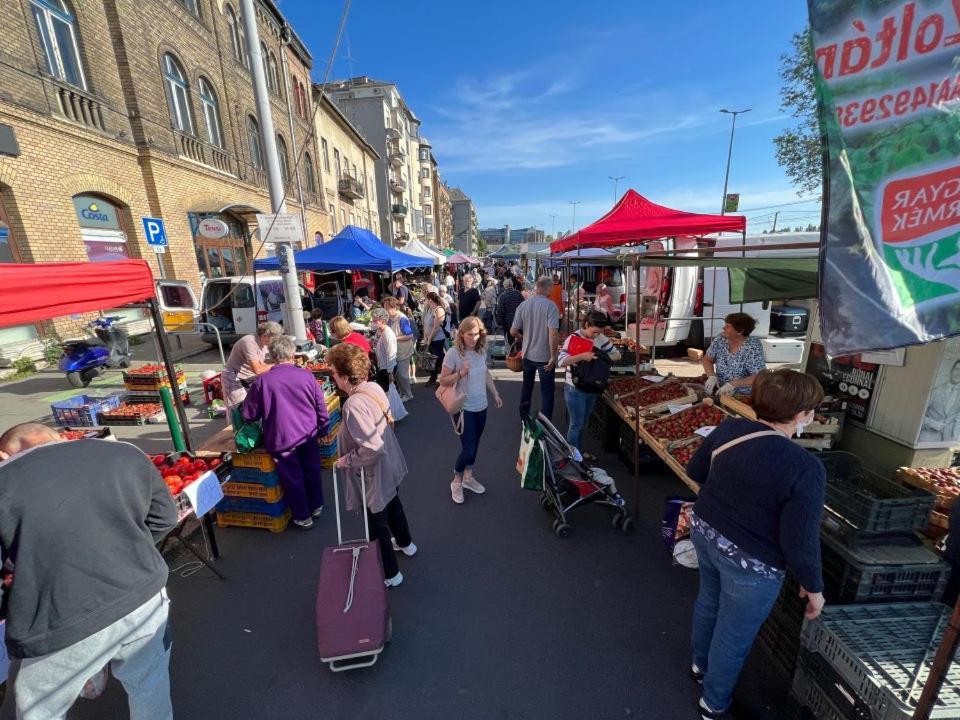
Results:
x,y
294,413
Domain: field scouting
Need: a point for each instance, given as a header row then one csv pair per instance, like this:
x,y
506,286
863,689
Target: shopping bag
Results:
x,y
246,435
675,525
397,408
530,461
425,361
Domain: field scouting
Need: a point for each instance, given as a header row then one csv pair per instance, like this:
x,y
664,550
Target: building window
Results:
x,y
263,61
178,94
55,25
211,113
424,154
428,227
238,39
426,193
253,140
308,175
273,74
343,216
428,209
333,218
326,154
192,6
282,157
425,173
336,161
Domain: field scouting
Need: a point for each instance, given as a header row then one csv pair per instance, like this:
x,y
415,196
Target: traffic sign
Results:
x,y
155,231
280,228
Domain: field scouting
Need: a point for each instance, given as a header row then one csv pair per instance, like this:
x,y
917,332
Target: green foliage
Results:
x,y
24,366
799,149
52,352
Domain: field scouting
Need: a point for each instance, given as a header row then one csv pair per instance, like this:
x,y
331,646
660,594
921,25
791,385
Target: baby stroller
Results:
x,y
571,483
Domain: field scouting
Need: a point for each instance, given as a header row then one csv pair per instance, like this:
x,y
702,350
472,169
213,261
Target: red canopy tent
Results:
x,y
41,291
635,218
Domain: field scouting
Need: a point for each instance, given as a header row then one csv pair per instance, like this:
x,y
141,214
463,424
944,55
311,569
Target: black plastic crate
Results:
x,y
872,505
604,425
779,636
870,573
627,444
817,686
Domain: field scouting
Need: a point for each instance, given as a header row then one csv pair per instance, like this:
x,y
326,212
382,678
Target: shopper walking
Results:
x,y
488,303
368,444
344,333
248,358
465,364
758,514
507,304
406,346
435,332
384,347
583,346
80,521
537,322
733,359
468,302
294,413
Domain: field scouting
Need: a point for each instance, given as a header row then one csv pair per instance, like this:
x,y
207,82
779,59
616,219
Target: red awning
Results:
x,y
635,218
40,291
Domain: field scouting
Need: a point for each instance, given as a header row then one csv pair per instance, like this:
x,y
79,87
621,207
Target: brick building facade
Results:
x,y
130,108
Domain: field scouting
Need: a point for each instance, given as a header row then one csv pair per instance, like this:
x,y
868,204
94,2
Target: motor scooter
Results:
x,y
85,359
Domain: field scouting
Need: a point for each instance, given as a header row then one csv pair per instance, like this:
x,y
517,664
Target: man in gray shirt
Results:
x,y
537,321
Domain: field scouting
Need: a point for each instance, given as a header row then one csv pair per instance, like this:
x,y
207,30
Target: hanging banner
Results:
x,y
731,203
888,82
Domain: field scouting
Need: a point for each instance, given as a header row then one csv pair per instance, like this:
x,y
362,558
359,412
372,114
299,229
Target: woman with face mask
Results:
x,y
757,515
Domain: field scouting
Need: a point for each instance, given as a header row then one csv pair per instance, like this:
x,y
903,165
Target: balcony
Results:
x,y
398,184
350,188
79,106
204,153
397,152
398,210
393,130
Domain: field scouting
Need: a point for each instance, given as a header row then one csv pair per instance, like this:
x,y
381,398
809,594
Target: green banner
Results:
x,y
888,82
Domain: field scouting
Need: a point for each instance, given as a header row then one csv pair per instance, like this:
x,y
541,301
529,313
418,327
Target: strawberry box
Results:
x,y
686,422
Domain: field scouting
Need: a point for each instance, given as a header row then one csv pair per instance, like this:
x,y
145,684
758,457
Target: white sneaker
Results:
x,y
318,512
394,581
410,550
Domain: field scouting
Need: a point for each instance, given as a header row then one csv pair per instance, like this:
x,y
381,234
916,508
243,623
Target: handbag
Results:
x,y
453,398
246,435
531,460
515,359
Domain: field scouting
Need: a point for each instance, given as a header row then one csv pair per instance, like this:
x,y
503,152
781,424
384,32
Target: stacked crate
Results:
x,y
328,443
252,494
871,554
144,383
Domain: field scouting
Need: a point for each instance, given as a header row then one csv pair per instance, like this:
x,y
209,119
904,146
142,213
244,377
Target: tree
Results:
x,y
799,149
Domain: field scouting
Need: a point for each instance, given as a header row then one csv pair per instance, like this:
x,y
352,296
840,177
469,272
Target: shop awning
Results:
x,y
415,247
585,256
352,248
30,292
635,218
461,259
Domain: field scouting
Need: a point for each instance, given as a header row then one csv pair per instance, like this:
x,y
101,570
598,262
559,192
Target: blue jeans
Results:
x,y
530,371
732,605
473,425
579,406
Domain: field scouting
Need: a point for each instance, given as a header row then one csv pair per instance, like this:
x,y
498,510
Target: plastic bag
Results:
x,y
247,435
530,462
397,409
675,525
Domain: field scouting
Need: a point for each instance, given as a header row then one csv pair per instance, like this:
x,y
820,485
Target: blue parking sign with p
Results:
x,y
155,231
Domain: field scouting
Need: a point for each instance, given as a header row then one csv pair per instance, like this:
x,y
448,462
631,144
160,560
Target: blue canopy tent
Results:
x,y
352,248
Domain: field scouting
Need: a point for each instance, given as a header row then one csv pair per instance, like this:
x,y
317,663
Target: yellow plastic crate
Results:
x,y
331,437
258,460
328,462
254,520
252,490
333,403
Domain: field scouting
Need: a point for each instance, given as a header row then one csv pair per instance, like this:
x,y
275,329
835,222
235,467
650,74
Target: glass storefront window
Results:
x,y
221,257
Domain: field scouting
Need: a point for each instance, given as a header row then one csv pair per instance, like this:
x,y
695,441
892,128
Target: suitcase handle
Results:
x,y
363,502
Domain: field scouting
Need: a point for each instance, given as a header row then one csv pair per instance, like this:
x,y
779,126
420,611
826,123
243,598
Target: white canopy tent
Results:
x,y
415,247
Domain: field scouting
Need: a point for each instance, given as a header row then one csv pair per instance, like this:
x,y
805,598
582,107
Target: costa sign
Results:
x,y
213,228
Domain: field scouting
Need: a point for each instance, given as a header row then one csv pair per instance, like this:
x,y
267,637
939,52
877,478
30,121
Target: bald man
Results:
x,y
80,521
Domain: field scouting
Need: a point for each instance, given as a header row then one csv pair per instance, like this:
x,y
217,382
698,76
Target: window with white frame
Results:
x,y
178,94
284,161
426,193
333,217
238,38
55,26
211,113
253,141
326,154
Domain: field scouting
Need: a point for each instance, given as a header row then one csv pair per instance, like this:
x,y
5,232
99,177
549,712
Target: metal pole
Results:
x,y
288,270
636,395
616,181
573,226
726,176
167,361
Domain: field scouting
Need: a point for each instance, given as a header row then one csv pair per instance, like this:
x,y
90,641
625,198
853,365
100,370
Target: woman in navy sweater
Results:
x,y
758,514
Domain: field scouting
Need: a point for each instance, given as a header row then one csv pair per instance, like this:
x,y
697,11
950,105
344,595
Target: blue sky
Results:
x,y
532,105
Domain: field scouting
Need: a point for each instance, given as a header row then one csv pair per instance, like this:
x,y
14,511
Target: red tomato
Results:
x,y
200,465
214,463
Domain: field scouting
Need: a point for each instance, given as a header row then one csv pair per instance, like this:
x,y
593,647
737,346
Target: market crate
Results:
x,y
871,573
251,505
779,636
333,403
254,520
88,433
328,462
254,476
334,419
870,504
146,396
222,470
822,690
131,417
212,388
146,373
83,410
331,437
945,492
252,490
603,424
258,459
884,652
627,444
741,404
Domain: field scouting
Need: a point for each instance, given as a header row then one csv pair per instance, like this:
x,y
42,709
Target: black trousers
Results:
x,y
438,348
389,522
383,380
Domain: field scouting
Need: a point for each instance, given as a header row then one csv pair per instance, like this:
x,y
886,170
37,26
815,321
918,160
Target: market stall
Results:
x,y
415,247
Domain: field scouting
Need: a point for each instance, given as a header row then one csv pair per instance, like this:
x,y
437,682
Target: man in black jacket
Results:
x,y
507,304
80,521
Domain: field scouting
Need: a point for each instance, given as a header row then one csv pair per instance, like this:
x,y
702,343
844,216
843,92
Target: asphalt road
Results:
x,y
496,618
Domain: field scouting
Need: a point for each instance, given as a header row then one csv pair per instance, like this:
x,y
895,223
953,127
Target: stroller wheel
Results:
x,y
544,501
627,525
617,520
563,530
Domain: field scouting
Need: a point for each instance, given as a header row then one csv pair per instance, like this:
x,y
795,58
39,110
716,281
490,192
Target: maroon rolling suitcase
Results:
x,y
353,604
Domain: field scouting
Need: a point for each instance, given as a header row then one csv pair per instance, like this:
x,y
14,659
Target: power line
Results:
x,y
795,202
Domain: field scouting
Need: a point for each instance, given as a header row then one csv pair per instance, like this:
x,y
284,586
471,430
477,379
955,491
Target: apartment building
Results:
x,y
466,233
443,211
117,110
348,166
425,175
379,112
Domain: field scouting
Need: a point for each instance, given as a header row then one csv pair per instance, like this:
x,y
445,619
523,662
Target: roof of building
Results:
x,y
365,81
327,102
456,194
295,42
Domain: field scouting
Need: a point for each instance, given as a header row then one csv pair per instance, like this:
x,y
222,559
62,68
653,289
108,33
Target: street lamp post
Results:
x,y
616,181
573,226
726,176
553,225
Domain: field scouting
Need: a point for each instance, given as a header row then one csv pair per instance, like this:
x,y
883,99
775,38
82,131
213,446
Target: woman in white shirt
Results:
x,y
465,363
385,347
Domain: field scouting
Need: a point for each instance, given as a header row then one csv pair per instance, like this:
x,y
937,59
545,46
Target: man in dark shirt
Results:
x,y
79,522
469,298
400,291
507,304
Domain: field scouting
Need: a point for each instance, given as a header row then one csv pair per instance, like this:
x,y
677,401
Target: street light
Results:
x,y
553,225
616,180
573,226
726,176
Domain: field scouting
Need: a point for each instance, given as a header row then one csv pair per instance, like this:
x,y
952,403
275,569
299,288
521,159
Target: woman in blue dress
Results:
x,y
734,358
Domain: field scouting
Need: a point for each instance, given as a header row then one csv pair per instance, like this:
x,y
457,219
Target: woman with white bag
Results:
x,y
465,369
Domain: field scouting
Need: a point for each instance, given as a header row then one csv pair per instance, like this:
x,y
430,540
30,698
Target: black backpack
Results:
x,y
593,376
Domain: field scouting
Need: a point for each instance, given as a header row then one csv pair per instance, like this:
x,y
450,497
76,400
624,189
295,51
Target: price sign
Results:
x,y
204,493
653,378
674,409
704,431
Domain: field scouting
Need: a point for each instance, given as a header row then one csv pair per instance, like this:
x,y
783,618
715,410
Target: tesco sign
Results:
x,y
213,228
